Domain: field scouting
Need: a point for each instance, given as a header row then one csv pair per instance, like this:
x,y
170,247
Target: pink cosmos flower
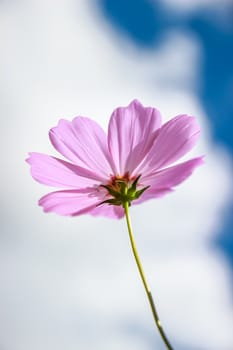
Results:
x,y
131,163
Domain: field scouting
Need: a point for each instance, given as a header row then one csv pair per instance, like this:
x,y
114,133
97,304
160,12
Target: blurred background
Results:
x,y
71,283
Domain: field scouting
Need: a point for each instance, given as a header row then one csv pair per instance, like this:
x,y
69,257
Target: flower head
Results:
x,y
131,163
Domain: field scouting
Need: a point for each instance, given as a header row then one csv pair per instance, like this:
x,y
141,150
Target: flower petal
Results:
x,y
172,176
163,181
70,202
110,211
131,135
174,139
83,142
58,173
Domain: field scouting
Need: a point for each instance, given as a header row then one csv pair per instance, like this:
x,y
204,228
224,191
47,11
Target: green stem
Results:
x,y
147,289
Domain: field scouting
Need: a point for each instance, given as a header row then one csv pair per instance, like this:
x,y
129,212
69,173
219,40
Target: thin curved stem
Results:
x,y
144,281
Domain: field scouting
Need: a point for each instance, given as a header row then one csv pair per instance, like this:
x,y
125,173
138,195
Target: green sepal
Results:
x,y
140,192
133,189
134,184
112,191
111,201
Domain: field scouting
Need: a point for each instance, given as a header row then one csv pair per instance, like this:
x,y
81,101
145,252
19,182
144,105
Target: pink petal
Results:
x,y
58,173
131,134
174,139
70,202
163,181
110,211
172,176
84,143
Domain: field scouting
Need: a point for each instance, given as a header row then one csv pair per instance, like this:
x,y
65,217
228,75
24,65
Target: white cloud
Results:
x,y
188,7
72,283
